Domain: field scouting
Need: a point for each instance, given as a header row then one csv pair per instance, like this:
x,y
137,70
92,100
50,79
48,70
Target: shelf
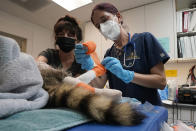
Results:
x,y
182,60
182,34
172,103
192,9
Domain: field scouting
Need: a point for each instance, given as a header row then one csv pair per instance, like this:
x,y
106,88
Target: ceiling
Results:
x,y
46,13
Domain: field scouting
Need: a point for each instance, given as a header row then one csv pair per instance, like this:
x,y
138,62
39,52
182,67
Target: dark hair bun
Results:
x,y
70,24
71,20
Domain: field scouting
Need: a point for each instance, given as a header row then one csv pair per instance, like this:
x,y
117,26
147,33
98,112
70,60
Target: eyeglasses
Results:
x,y
130,64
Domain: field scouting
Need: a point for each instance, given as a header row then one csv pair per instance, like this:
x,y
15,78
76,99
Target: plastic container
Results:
x,y
172,86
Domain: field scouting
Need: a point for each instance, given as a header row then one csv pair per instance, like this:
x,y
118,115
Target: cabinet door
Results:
x,y
185,114
134,20
159,20
194,115
92,34
106,44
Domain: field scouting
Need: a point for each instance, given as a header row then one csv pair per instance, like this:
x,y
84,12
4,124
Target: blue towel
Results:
x,y
43,120
48,119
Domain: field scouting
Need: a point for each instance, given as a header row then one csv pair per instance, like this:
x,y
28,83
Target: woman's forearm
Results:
x,y
150,80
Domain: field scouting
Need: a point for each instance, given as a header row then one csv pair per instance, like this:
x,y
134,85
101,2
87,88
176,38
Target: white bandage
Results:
x,y
111,93
71,80
87,77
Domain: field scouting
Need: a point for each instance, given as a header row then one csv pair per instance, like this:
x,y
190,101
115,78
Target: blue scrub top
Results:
x,y
148,53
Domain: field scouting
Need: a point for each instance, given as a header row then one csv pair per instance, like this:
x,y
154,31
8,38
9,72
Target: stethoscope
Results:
x,y
125,50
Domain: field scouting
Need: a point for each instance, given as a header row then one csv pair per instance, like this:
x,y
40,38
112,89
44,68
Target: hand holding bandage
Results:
x,y
98,69
85,55
82,57
114,66
82,52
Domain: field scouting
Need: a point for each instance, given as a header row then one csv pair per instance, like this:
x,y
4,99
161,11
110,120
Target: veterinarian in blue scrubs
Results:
x,y
134,63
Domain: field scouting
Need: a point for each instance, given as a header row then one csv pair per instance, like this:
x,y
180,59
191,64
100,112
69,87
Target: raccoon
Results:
x,y
98,107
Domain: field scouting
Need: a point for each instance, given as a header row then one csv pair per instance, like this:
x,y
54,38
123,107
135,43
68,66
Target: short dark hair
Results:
x,y
104,7
69,24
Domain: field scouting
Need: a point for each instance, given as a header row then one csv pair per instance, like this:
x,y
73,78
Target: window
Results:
x,y
22,42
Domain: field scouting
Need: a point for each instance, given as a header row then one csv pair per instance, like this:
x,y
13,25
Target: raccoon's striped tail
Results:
x,y
106,110
100,108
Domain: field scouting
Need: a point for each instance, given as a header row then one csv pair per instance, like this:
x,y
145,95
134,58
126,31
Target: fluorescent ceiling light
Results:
x,y
72,4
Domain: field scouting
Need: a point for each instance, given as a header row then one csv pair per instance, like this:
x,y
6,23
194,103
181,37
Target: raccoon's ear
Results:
x,y
42,65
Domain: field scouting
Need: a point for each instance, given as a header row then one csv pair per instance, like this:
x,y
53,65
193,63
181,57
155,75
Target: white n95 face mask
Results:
x,y
110,29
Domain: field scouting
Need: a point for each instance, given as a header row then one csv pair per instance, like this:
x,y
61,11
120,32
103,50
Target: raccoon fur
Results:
x,y
98,107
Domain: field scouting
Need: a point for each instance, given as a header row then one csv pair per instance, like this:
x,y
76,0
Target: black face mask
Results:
x,y
65,44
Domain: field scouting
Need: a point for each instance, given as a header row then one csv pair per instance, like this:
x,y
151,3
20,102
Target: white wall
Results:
x,y
135,20
38,38
157,18
92,34
182,71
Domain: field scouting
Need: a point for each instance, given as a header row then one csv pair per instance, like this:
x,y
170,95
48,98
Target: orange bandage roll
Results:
x,y
99,69
91,46
86,86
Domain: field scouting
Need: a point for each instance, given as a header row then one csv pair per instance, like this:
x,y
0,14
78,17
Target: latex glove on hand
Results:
x,y
82,58
114,66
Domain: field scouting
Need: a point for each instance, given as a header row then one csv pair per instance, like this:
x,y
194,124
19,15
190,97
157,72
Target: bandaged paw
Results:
x,y
87,77
78,83
116,95
111,93
90,75
71,80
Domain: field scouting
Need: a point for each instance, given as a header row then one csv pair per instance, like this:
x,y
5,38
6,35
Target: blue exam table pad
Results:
x,y
155,118
70,120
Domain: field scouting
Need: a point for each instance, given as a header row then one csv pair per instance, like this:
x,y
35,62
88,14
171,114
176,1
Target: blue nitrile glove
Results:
x,y
82,58
114,66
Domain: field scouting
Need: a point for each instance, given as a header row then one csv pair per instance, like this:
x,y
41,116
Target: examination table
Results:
x,y
69,120
153,122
